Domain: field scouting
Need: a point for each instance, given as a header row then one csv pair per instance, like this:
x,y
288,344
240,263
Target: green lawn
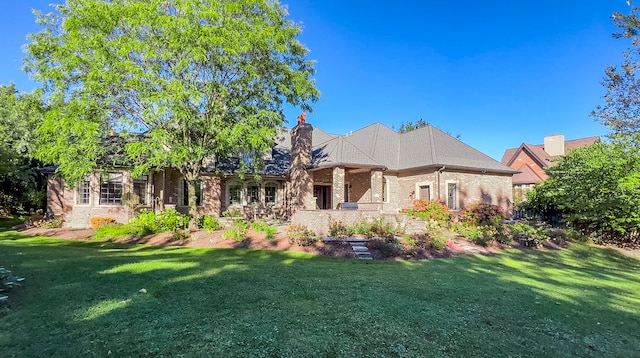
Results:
x,y
82,299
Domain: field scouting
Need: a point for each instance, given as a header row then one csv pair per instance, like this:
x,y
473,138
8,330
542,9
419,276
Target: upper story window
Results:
x,y
111,189
253,193
271,194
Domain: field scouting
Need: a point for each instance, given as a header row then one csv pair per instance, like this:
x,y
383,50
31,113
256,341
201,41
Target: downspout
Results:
x,y
438,172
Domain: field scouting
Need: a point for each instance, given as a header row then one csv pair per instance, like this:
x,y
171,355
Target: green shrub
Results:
x,y
237,230
180,235
146,221
232,213
364,228
439,242
300,235
338,229
382,228
528,235
209,223
261,226
171,220
431,210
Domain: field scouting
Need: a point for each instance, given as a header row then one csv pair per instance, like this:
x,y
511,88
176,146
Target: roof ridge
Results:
x,y
432,145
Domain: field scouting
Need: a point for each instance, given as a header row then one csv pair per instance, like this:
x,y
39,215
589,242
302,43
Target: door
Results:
x,y
323,196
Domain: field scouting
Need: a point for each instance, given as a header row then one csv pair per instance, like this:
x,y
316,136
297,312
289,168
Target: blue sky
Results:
x,y
495,72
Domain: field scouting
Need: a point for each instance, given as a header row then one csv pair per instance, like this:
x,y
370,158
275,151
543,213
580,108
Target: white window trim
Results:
x,y
277,194
75,194
424,183
242,194
123,188
457,183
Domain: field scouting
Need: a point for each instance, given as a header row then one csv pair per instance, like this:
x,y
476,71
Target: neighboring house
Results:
x,y
307,170
531,160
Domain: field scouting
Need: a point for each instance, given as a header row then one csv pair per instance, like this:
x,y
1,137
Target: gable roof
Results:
x,y
526,176
537,152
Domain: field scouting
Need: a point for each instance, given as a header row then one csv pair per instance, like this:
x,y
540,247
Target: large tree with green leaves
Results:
x,y
596,189
621,108
201,79
20,175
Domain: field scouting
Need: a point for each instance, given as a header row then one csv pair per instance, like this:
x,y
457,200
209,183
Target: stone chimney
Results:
x,y
301,182
554,144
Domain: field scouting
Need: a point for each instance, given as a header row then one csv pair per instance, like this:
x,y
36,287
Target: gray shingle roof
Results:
x,y
423,147
378,146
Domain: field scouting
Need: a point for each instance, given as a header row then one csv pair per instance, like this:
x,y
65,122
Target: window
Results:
x,y
452,196
271,194
111,189
140,189
385,190
253,193
235,193
425,192
83,192
184,197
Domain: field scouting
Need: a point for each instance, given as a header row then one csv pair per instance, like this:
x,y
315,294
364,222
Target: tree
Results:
x,y
621,108
596,189
200,80
410,126
20,176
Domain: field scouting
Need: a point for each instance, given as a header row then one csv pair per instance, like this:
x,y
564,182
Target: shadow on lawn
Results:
x,y
245,302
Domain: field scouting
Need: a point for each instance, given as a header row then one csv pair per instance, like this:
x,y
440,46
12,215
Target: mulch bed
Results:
x,y
257,241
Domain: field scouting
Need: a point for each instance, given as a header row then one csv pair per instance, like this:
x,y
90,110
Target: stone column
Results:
x,y
376,186
301,188
338,187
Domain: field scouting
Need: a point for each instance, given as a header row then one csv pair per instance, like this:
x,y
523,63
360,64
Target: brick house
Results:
x,y
531,160
308,171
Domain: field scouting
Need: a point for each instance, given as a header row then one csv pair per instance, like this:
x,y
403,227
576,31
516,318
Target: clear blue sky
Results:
x,y
495,72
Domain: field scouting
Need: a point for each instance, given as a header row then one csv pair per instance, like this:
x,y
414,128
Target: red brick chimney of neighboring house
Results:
x,y
554,144
301,152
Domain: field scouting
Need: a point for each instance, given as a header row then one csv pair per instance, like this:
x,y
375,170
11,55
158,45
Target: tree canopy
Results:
x,y
596,189
20,175
200,79
621,109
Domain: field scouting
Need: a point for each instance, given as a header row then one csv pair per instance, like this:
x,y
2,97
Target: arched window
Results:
x,y
253,193
235,193
271,194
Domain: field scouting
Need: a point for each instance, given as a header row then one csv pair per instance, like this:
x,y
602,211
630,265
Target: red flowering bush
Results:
x,y
484,214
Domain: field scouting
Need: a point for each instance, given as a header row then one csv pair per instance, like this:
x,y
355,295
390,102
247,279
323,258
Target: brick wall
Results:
x,y
472,188
318,220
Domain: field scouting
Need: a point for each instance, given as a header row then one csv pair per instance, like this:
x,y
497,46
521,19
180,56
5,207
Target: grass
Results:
x,y
83,299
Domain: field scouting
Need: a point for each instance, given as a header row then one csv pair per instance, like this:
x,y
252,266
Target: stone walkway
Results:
x,y
358,246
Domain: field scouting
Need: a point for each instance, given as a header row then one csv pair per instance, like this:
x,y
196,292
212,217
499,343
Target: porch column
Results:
x,y
337,187
376,186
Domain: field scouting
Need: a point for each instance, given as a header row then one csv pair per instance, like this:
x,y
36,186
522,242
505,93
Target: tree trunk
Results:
x,y
193,208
